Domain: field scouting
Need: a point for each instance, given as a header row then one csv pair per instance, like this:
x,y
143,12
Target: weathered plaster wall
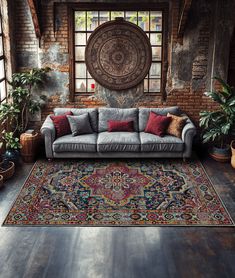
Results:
x,y
193,60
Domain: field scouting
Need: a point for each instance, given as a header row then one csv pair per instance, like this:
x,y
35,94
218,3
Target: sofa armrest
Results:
x,y
48,131
188,133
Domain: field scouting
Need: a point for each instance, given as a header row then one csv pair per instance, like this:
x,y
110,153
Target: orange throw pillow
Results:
x,y
176,125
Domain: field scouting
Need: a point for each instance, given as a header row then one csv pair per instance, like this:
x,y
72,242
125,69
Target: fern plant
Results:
x,y
220,124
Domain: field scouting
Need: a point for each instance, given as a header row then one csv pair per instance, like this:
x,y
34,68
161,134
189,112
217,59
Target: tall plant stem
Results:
x,y
23,117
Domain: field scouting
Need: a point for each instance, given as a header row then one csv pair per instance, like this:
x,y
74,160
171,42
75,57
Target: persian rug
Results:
x,y
118,193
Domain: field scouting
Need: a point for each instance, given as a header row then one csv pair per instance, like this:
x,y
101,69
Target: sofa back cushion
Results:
x,y
144,114
117,114
92,112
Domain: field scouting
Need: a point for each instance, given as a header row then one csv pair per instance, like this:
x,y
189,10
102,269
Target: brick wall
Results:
x,y
26,43
189,59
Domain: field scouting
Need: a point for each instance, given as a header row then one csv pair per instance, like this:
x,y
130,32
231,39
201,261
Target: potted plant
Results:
x,y
12,147
21,100
219,125
7,168
15,113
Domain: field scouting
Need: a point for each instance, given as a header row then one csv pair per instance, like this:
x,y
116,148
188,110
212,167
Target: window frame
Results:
x,y
2,58
163,7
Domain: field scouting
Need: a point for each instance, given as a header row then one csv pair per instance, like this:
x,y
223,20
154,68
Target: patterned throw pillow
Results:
x,y
80,124
120,126
176,125
61,124
157,124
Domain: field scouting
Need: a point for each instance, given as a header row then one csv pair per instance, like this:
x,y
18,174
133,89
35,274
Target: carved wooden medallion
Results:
x,y
118,54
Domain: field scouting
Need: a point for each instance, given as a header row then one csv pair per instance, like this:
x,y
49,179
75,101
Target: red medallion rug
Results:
x,y
118,193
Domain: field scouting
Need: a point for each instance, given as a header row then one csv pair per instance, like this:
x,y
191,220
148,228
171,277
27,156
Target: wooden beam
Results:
x,y
185,7
34,15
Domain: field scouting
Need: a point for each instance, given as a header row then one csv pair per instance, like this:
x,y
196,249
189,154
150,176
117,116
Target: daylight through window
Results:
x,y
2,66
85,23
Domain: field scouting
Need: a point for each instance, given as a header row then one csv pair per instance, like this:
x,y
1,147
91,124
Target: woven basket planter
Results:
x,y
7,173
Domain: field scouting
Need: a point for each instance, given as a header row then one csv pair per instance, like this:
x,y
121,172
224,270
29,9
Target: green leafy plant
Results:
x,y
220,124
21,102
11,141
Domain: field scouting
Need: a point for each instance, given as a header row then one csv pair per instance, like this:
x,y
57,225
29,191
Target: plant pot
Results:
x,y
9,172
221,154
12,155
29,143
233,153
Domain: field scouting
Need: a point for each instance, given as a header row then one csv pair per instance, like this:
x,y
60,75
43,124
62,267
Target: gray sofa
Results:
x,y
117,144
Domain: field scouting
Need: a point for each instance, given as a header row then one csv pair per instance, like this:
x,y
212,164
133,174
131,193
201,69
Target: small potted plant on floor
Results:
x,y
219,125
12,147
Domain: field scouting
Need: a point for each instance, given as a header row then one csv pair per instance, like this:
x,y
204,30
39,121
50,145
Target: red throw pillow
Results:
x,y
61,124
157,124
120,126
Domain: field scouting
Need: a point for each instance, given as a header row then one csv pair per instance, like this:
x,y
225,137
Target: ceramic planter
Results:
x,y
221,154
12,155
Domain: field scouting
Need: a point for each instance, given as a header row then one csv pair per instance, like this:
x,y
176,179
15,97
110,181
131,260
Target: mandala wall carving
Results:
x,y
118,55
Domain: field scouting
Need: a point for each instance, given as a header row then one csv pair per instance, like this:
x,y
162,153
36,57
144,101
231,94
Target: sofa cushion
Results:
x,y
117,114
93,114
114,126
61,124
157,124
176,125
118,142
80,143
154,143
144,114
80,124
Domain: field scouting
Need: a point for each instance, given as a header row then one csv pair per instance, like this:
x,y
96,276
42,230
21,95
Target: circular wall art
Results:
x,y
118,54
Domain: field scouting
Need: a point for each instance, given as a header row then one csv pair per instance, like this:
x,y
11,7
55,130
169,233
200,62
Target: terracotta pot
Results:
x,y
221,154
233,153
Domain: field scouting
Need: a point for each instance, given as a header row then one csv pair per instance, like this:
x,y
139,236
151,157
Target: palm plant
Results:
x,y
220,124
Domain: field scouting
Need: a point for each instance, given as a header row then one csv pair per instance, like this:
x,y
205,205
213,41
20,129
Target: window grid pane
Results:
x,y
2,90
87,21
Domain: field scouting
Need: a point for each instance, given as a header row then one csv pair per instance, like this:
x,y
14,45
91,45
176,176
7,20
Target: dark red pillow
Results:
x,y
120,126
61,124
157,124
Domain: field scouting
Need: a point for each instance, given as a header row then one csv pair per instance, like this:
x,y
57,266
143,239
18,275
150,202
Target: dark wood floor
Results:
x,y
129,252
